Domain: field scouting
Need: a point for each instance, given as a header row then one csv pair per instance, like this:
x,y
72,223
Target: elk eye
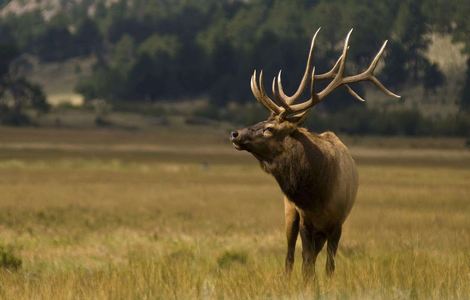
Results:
x,y
268,131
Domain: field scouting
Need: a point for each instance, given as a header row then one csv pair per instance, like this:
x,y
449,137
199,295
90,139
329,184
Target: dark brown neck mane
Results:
x,y
303,170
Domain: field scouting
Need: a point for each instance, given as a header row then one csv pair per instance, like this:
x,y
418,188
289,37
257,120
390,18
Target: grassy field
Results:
x,y
178,214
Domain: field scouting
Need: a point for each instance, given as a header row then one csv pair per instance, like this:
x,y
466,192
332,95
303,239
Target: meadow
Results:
x,y
176,213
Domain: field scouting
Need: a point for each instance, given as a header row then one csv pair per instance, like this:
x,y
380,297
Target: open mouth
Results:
x,y
237,146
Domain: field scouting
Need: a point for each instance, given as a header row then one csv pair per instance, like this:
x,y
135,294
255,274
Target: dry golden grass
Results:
x,y
121,215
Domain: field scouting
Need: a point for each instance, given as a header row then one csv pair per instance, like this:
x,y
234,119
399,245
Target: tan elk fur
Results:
x,y
315,172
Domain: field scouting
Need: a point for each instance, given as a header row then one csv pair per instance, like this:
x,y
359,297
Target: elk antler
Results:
x,y
296,111
260,94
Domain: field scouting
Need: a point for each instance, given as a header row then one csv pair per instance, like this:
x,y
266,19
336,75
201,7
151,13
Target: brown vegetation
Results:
x,y
97,221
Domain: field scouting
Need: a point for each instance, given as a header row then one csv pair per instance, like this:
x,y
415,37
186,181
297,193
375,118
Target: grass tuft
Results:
x,y
230,258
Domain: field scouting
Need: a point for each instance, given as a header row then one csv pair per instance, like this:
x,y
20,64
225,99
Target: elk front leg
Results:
x,y
292,230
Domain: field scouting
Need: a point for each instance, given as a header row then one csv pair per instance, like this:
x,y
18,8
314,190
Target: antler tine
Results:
x,y
261,86
260,94
277,97
342,61
369,75
339,75
354,94
300,108
331,73
276,109
291,99
375,61
274,89
312,83
383,88
254,88
338,72
297,112
279,87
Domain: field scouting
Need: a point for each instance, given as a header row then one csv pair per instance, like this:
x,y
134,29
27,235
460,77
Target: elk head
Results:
x,y
264,139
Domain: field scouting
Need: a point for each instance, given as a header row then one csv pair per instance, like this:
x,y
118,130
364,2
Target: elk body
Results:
x,y
315,172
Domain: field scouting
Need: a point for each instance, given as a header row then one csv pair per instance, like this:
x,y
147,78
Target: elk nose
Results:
x,y
233,135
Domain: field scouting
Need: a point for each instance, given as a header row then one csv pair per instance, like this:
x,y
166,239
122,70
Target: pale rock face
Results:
x,y
48,8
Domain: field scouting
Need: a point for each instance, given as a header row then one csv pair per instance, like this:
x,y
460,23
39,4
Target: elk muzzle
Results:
x,y
239,138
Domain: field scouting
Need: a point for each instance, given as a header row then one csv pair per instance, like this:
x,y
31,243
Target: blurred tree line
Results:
x,y
148,51
16,92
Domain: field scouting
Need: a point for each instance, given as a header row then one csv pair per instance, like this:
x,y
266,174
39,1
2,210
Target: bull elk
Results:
x,y
315,172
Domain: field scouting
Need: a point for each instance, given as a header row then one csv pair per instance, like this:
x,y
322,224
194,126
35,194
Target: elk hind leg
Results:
x,y
332,247
312,243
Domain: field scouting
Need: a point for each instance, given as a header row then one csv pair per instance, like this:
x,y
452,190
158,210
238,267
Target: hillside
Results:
x,y
137,55
60,79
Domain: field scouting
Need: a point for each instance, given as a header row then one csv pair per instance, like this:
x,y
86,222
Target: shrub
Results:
x,y
8,259
228,258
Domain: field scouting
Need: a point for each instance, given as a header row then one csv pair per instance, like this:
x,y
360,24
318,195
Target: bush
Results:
x,y
228,258
195,120
360,120
14,118
8,259
463,124
209,112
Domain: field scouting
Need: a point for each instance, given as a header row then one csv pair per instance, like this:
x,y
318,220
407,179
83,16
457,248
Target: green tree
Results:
x,y
410,30
406,58
461,33
16,93
87,39
432,77
55,43
157,44
124,55
465,94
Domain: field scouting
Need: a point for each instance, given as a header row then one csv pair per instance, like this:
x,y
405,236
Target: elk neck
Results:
x,y
304,168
